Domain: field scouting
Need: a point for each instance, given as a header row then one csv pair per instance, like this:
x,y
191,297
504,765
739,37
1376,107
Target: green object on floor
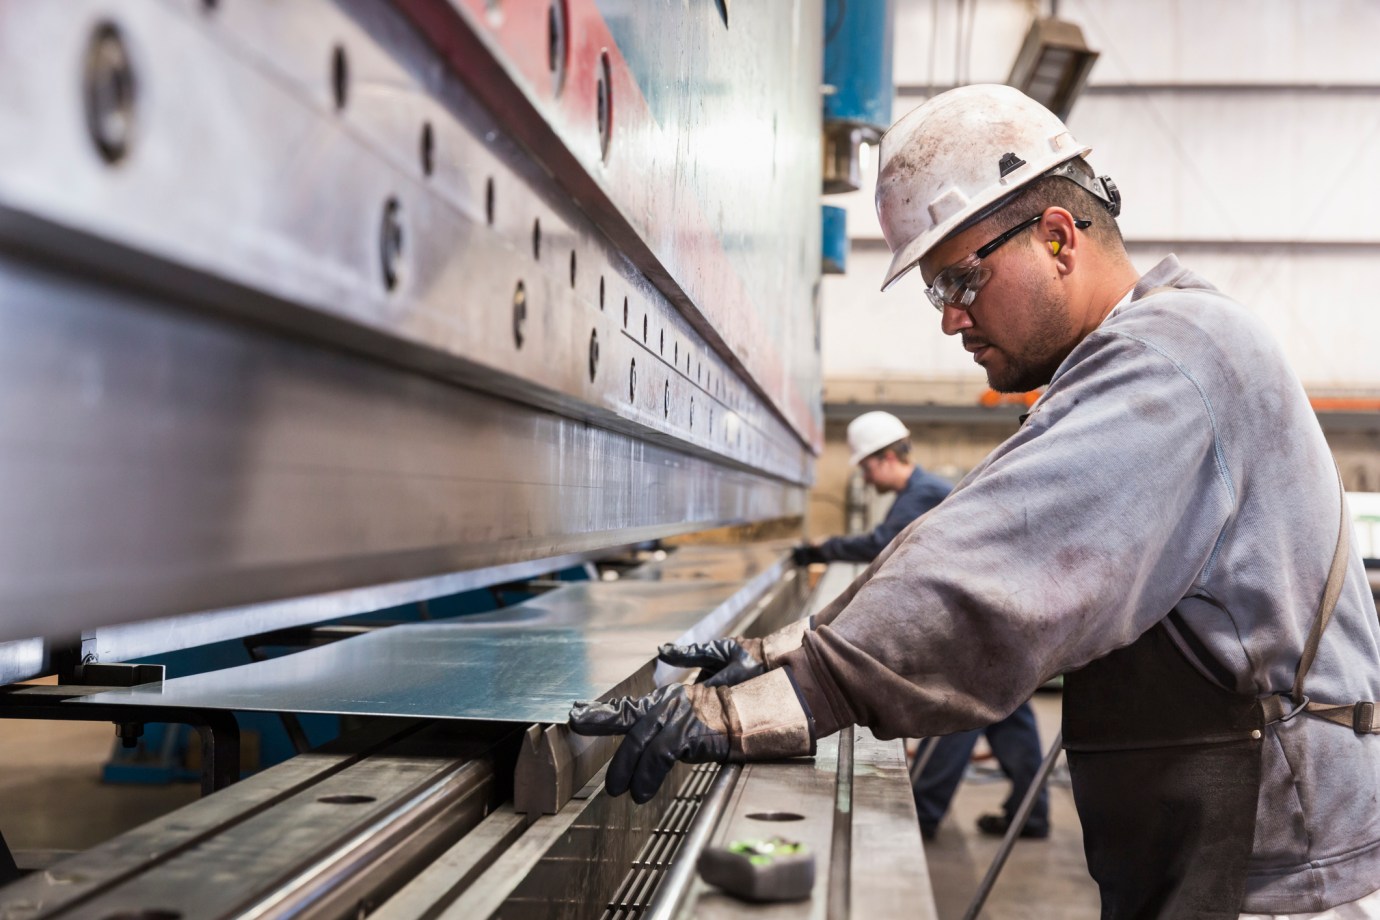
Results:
x,y
760,870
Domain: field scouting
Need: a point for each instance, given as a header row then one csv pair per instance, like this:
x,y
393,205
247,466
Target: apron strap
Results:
x,y
1335,576
1358,716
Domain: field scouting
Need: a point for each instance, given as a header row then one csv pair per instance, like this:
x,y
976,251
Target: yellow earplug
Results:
x,y
1054,246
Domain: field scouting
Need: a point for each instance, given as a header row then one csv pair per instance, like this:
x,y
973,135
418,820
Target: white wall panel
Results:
x,y
1229,41
1320,303
1282,166
1216,119
1270,42
866,333
1275,166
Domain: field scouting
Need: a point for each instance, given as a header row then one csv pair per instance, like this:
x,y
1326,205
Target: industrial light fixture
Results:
x,y
1053,64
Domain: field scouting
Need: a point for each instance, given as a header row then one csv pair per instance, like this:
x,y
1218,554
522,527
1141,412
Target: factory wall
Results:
x,y
1241,138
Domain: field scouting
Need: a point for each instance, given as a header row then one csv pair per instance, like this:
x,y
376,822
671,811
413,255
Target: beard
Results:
x,y
1033,363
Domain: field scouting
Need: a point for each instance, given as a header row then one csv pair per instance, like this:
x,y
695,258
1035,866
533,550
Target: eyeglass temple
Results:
x,y
991,247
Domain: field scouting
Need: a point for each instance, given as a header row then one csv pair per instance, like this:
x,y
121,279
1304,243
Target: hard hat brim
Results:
x,y
909,255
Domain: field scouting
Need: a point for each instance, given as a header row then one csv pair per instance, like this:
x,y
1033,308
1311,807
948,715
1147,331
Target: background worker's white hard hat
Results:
x,y
944,163
871,431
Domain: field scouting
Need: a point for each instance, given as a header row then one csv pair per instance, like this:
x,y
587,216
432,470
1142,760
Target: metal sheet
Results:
x,y
127,641
523,664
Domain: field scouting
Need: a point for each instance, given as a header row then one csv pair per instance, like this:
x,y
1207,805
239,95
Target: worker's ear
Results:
x,y
1059,237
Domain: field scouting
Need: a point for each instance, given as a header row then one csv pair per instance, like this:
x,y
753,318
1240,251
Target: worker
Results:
x,y
1167,529
879,444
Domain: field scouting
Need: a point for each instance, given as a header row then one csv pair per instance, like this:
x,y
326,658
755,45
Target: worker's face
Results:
x,y
878,471
1018,327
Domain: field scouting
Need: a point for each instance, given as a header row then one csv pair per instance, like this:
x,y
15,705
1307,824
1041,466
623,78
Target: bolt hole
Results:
x,y
572,268
601,293
632,380
340,76
644,328
604,105
391,243
519,313
661,346
593,353
489,201
625,313
556,41
346,799
666,400
110,88
776,816
152,913
675,357
536,238
428,149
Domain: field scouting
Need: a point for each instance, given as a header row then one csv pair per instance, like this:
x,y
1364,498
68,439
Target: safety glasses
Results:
x,y
958,284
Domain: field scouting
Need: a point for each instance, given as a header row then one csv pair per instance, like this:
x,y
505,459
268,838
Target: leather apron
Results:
x,y
1166,773
1166,765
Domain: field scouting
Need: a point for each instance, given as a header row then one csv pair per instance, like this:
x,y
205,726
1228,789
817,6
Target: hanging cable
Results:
x,y
968,50
934,46
958,42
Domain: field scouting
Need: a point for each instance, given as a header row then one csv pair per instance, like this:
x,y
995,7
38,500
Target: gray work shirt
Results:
x,y
922,492
1174,461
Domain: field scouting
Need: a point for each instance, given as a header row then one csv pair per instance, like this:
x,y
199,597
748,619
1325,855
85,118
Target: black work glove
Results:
x,y
764,719
670,724
723,662
807,554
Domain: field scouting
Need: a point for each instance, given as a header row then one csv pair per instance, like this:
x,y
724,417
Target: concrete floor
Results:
x,y
1043,879
52,799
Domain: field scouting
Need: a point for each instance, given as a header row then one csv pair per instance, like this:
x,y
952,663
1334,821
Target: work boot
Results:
x,y
997,825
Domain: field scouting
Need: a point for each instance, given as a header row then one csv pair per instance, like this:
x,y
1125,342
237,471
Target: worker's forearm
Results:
x,y
1013,580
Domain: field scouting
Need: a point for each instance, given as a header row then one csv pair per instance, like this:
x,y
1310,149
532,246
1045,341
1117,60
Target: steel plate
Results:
x,y
523,664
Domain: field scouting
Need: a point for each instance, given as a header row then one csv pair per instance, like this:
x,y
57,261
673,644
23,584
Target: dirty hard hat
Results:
x,y
957,157
872,431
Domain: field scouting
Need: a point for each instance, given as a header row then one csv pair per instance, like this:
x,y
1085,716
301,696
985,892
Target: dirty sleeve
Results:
x,y
1074,537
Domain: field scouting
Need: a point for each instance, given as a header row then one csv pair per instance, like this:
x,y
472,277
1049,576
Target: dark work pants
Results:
x,y
1015,741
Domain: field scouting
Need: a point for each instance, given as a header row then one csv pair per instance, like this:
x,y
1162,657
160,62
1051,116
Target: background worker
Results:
x,y
879,444
1167,529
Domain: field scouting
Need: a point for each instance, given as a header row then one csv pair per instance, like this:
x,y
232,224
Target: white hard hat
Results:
x,y
950,160
872,431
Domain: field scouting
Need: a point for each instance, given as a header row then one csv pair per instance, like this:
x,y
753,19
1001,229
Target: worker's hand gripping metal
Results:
x,y
763,719
731,661
675,723
722,663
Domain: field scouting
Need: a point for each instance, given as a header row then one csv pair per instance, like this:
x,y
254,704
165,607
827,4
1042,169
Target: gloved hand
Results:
x,y
729,662
763,719
807,554
724,662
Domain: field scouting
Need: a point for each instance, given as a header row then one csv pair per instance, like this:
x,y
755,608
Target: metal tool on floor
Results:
x,y
923,753
1014,831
